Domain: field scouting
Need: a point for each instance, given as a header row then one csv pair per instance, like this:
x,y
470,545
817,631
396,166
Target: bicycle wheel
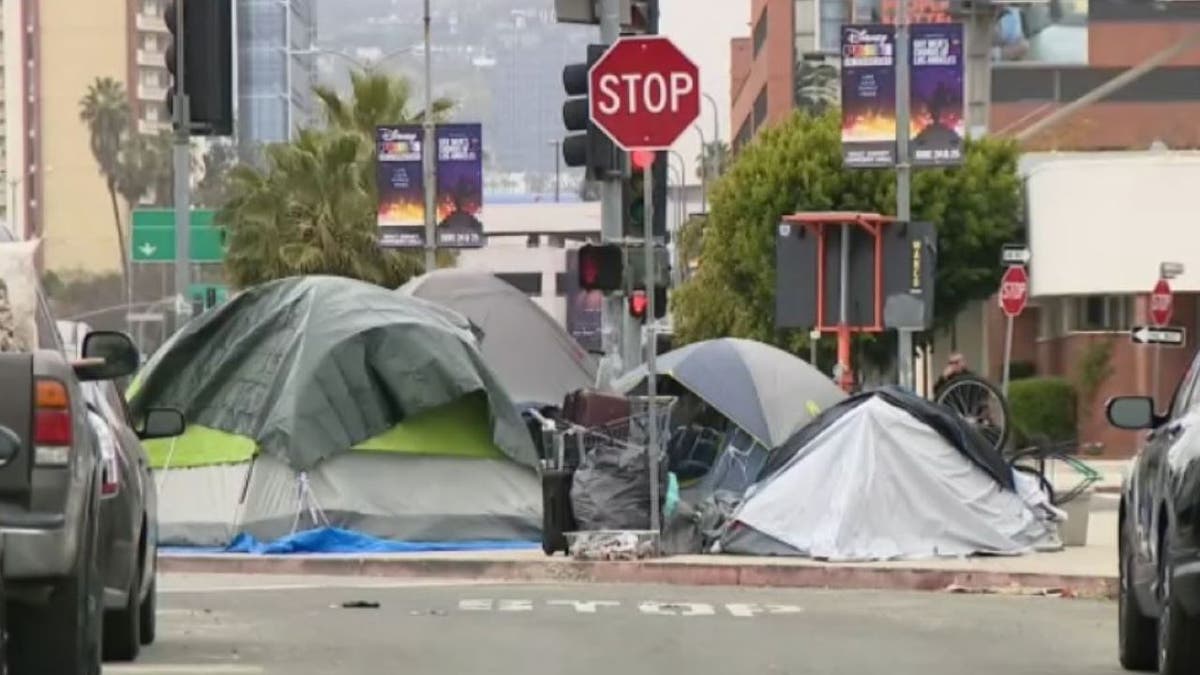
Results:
x,y
981,404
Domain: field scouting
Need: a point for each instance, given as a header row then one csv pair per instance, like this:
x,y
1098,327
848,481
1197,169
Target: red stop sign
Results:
x,y
644,92
1162,303
1014,290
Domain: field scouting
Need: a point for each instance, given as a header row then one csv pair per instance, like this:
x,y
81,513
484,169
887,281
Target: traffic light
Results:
x,y
633,200
207,42
639,303
643,18
586,144
601,267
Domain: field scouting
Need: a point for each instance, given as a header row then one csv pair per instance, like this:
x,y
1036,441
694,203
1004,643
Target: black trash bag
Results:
x,y
611,490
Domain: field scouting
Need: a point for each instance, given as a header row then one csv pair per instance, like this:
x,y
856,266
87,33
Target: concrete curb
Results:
x,y
665,572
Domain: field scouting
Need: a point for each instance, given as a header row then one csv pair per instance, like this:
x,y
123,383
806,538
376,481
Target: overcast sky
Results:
x,y
703,28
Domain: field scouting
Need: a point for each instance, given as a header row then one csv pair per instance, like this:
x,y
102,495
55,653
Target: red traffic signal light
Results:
x,y
638,304
601,267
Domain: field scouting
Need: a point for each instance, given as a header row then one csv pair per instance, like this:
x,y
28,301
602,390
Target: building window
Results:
x,y
560,284
151,8
1102,313
743,136
760,33
760,108
529,283
834,13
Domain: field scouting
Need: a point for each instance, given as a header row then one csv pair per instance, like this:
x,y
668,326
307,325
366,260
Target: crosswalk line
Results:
x,y
182,669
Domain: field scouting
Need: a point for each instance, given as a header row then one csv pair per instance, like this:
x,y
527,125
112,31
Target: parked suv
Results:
x,y
50,501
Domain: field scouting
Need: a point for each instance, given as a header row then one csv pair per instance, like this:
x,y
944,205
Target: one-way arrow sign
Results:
x,y
1171,336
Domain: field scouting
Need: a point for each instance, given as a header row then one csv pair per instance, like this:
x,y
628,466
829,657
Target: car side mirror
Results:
x,y
10,445
107,355
1131,412
162,423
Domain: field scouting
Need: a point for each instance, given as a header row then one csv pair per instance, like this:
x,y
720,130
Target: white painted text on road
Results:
x,y
741,610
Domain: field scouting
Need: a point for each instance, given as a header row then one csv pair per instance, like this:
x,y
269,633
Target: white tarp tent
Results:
x,y
879,482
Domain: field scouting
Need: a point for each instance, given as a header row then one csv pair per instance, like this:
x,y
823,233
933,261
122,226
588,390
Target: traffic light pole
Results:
x,y
182,167
904,362
615,323
651,350
428,156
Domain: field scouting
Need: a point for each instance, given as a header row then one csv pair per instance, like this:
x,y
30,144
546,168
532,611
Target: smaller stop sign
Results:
x,y
1162,303
1014,290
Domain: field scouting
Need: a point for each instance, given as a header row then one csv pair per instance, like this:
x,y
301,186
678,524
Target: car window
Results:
x,y
1186,393
48,337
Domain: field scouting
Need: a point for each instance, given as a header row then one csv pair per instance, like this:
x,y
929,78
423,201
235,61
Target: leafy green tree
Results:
x,y
376,98
797,166
817,86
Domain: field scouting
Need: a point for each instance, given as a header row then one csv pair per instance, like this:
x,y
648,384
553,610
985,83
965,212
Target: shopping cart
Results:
x,y
623,449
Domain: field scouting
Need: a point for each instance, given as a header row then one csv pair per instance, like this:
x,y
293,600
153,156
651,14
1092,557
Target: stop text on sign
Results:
x,y
1014,289
654,93
1160,303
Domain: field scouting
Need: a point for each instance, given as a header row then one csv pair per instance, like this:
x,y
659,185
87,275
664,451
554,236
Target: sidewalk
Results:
x,y
1088,571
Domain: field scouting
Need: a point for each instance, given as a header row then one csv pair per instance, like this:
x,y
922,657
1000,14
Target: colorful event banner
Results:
x,y
868,95
936,94
401,214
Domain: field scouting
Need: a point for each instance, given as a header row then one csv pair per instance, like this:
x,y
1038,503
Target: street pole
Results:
x,y
1008,340
614,321
652,349
844,309
716,117
557,171
429,153
703,170
904,365
182,162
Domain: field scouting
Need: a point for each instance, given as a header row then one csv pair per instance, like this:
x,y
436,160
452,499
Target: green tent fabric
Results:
x,y
457,429
308,367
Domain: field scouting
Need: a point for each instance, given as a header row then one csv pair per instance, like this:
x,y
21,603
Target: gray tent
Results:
x,y
535,359
765,391
323,401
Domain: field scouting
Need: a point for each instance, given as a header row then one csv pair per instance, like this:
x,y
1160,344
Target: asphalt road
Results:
x,y
252,626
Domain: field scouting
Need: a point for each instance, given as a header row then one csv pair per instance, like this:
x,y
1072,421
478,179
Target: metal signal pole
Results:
x,y
182,166
904,362
429,153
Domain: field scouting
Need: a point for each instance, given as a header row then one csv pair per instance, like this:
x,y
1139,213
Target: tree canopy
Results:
x,y
311,207
797,166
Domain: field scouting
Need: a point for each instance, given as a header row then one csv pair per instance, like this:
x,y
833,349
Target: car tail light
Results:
x,y
52,424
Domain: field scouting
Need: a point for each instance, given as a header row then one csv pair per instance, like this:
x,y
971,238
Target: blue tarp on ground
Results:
x,y
336,540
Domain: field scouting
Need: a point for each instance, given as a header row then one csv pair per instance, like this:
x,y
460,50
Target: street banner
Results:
x,y
401,186
936,94
868,96
460,185
18,296
583,307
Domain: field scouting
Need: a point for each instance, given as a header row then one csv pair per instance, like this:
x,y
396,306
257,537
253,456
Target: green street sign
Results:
x,y
153,239
208,295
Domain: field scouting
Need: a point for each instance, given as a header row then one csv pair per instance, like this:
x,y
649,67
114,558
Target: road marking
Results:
x,y
648,607
583,606
677,608
338,586
182,669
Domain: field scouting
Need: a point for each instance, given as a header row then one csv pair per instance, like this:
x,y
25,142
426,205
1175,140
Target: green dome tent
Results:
x,y
319,401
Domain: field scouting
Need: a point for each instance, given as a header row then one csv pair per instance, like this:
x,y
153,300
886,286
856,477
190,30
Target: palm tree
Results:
x,y
817,86
713,160
307,212
105,109
376,99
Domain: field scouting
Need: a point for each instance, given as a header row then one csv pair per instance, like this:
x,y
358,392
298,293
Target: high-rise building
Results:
x,y
275,70
148,77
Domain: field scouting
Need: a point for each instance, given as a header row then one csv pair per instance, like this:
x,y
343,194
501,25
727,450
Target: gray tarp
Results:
x,y
535,359
880,483
310,366
764,390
